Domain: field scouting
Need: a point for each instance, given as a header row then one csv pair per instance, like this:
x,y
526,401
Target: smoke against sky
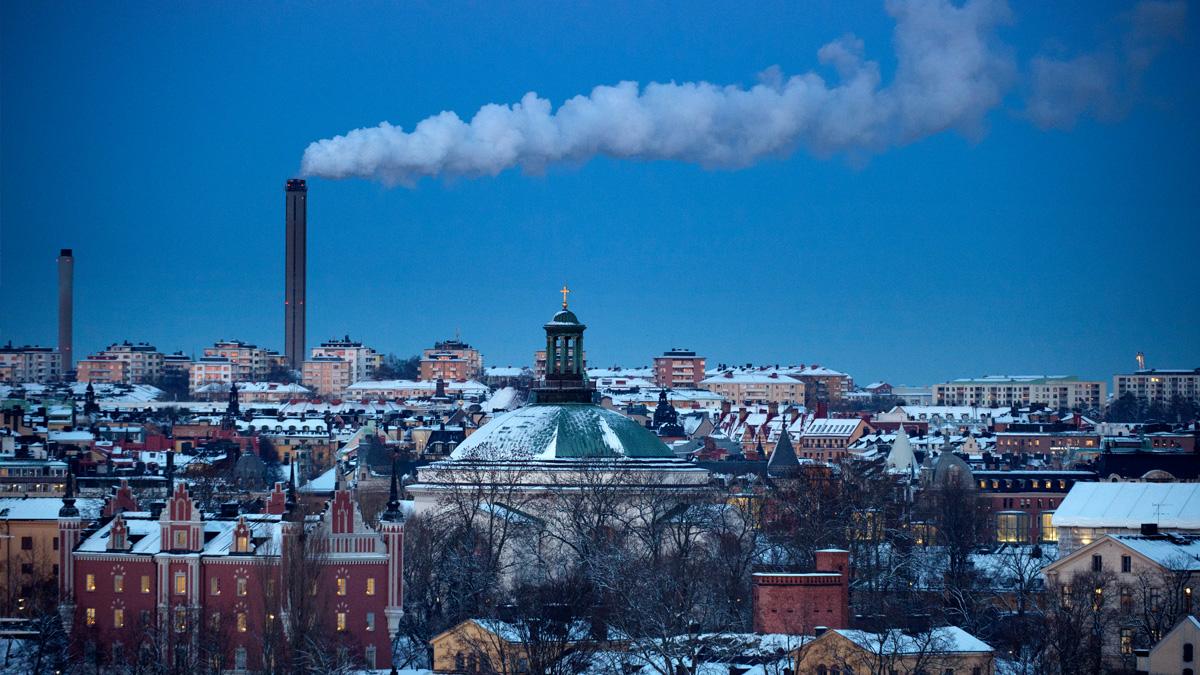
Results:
x,y
951,71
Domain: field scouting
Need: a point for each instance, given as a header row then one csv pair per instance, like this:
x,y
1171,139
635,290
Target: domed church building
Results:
x,y
558,440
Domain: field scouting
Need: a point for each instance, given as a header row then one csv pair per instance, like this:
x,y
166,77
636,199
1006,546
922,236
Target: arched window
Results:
x,y
1187,652
821,670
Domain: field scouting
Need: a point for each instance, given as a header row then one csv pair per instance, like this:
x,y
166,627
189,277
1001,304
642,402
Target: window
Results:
x,y
1187,652
214,586
239,658
1126,640
91,616
341,585
214,621
55,543
341,621
1126,599
1126,564
1066,596
181,539
241,622
26,543
145,583
180,583
370,656
243,544
370,585
1097,563
118,583
370,621
1049,532
181,621
89,582
118,618
241,587
1012,527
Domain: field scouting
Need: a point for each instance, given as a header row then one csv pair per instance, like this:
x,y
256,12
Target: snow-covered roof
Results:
x,y
832,427
568,431
326,482
256,388
415,385
45,508
70,436
145,535
1173,551
503,371
502,399
732,377
1129,505
944,640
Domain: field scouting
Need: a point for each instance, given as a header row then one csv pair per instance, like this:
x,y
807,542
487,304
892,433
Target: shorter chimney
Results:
x,y
1149,529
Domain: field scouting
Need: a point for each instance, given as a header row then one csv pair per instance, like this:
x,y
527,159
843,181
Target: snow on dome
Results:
x,y
900,457
562,431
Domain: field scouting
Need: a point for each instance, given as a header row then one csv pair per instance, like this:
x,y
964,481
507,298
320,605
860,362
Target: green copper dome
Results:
x,y
562,431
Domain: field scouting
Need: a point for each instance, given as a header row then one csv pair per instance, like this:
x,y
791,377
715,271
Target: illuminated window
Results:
x,y
181,539
1049,532
180,583
90,582
241,587
341,586
341,621
118,583
181,620
241,622
1012,527
145,583
1126,640
243,544
370,585
214,586
91,616
118,618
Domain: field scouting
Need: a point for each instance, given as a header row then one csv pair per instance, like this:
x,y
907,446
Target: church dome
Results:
x,y
561,431
564,317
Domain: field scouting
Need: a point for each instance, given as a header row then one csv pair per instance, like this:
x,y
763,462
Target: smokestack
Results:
x,y
296,268
66,282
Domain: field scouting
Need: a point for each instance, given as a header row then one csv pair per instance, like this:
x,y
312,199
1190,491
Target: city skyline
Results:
x,y
1006,251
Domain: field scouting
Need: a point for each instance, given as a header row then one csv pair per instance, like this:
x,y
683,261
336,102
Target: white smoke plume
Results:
x,y
950,71
1103,83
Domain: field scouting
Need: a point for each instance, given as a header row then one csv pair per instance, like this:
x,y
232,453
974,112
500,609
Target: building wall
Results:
x,y
832,651
28,561
678,371
30,364
1058,394
784,391
796,604
1159,386
1169,656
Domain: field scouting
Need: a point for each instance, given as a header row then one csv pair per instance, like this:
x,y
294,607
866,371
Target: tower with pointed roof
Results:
x,y
70,526
391,526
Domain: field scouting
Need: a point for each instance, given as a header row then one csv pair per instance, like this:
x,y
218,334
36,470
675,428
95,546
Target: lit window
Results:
x,y
1126,640
370,585
118,583
118,618
341,621
91,616
181,539
214,586
145,583
90,582
180,583
241,587
181,620
241,622
1049,532
341,586
243,544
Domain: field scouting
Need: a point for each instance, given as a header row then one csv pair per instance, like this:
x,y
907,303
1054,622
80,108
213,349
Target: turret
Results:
x,y
391,526
70,525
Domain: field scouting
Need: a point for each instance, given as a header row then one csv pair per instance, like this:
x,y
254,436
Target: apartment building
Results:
x,y
1159,385
1054,391
30,364
102,369
328,375
678,368
755,387
251,363
451,360
143,363
211,370
362,360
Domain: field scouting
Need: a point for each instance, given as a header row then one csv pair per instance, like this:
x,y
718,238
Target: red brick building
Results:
x,y
196,588
678,368
796,604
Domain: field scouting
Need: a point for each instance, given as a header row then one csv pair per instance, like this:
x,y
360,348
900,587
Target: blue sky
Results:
x,y
154,140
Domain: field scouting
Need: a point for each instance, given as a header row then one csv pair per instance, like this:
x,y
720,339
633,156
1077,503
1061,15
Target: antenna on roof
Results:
x,y
1141,360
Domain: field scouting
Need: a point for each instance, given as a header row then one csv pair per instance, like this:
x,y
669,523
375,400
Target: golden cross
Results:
x,y
564,291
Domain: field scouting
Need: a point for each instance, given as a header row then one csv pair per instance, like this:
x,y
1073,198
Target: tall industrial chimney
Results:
x,y
66,282
296,268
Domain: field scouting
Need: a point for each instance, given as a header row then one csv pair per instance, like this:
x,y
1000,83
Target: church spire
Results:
x,y
393,513
68,509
